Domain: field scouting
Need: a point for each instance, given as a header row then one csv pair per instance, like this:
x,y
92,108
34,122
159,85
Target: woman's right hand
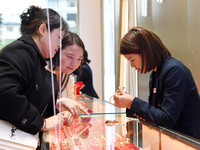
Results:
x,y
123,99
74,107
62,118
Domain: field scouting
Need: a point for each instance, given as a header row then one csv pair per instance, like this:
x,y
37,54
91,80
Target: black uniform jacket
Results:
x,y
87,78
173,101
25,85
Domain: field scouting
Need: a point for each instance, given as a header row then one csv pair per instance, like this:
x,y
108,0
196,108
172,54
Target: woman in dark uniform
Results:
x,y
174,99
87,78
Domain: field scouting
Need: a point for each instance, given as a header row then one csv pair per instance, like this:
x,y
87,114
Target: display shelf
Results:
x,y
91,133
98,107
109,129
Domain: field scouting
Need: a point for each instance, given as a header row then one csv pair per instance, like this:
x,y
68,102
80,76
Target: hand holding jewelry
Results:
x,y
111,101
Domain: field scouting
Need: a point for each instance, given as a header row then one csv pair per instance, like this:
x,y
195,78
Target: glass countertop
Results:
x,y
98,107
108,128
97,132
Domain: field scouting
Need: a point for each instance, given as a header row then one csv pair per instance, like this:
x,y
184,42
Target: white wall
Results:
x,y
90,31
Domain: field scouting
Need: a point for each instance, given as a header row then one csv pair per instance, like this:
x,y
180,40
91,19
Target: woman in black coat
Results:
x,y
26,97
174,99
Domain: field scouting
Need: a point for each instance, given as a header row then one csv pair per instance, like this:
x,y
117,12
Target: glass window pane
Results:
x,y
109,47
10,21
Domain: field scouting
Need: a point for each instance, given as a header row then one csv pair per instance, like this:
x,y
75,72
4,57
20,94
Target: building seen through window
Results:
x,y
71,3
10,21
71,17
53,3
9,29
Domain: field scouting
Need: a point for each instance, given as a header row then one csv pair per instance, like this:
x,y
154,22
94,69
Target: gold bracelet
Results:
x,y
116,93
44,126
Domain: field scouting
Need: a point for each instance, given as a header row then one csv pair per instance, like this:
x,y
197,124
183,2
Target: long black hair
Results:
x,y
85,56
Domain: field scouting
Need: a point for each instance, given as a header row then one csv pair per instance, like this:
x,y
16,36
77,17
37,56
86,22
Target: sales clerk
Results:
x,y
174,100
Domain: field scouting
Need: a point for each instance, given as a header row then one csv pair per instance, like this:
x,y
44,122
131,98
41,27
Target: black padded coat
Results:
x,y
25,85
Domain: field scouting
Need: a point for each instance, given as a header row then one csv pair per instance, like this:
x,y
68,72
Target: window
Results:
x,y
72,3
9,29
110,25
71,17
53,3
10,21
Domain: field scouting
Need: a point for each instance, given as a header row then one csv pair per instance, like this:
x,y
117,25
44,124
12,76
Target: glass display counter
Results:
x,y
97,107
108,128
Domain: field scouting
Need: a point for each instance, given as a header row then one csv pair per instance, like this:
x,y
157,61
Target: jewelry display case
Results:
x,y
108,128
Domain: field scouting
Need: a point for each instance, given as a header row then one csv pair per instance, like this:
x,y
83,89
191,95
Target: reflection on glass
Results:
x,y
175,22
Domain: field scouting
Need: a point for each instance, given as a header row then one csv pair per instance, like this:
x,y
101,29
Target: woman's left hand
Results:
x,y
75,108
123,99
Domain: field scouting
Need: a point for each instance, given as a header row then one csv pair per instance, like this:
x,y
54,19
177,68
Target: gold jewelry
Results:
x,y
44,126
116,93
